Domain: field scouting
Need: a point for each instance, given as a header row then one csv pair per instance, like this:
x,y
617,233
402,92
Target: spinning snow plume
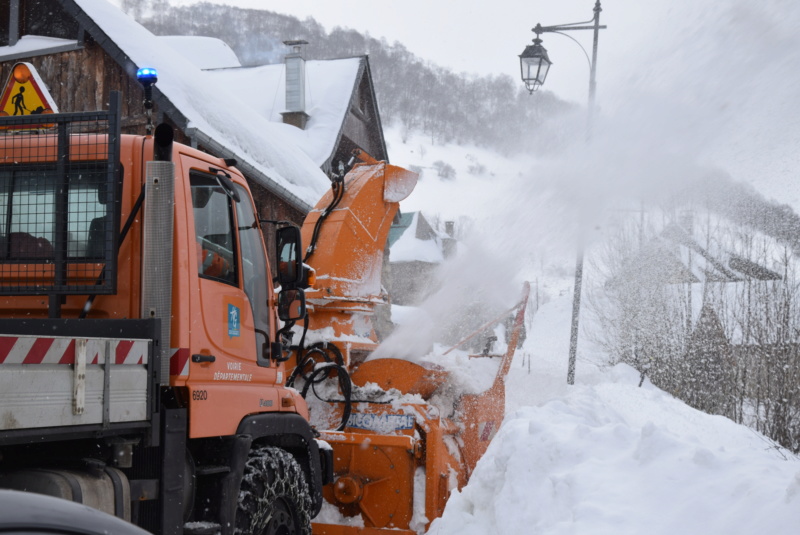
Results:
x,y
473,288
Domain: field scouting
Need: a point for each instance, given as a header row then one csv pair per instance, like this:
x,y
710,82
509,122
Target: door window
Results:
x,y
213,221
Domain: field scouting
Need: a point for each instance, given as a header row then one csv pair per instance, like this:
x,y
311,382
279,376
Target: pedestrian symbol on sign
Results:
x,y
18,101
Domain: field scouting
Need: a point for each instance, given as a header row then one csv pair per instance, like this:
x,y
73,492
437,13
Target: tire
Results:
x,y
274,497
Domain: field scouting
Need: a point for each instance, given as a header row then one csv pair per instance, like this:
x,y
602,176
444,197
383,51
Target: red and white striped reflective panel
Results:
x,y
179,361
58,350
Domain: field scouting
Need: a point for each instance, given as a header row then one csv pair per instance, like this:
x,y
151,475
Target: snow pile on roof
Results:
x,y
329,86
35,43
212,109
605,456
409,248
203,52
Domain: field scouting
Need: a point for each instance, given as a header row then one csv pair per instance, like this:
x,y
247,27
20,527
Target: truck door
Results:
x,y
215,248
224,375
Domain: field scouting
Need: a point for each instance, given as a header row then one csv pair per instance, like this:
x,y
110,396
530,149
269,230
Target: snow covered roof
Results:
x,y
214,115
713,262
414,246
676,257
329,88
30,45
400,225
203,52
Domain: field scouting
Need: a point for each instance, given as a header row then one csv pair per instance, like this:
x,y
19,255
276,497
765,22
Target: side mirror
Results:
x,y
290,263
292,305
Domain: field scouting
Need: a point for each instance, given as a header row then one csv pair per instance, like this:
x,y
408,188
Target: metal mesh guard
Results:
x,y
59,214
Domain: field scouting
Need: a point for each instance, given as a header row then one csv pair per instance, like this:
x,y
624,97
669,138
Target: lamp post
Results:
x,y
534,66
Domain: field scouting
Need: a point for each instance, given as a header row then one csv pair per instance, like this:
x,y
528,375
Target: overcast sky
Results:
x,y
481,37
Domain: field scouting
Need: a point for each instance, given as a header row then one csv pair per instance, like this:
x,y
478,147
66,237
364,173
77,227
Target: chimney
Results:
x,y
449,244
295,113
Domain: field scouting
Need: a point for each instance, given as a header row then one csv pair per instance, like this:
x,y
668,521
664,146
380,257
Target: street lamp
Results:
x,y
534,64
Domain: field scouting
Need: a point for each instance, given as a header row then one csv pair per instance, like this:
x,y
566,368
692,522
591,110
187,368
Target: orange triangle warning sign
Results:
x,y
26,94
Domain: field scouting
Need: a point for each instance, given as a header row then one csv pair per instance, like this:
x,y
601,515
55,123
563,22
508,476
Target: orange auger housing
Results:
x,y
396,455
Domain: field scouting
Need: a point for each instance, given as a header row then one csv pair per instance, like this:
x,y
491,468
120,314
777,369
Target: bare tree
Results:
x,y
728,344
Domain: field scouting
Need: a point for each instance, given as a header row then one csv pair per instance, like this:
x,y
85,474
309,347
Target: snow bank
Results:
x,y
605,456
617,458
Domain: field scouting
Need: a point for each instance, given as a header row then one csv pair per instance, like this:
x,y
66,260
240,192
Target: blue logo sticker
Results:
x,y
233,320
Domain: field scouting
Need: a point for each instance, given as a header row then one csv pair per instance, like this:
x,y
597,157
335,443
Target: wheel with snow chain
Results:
x,y
274,497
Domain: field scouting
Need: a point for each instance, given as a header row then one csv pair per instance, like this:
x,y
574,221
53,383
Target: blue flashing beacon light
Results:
x,y
147,76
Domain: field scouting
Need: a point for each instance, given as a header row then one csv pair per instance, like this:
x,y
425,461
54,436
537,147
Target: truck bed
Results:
x,y
88,374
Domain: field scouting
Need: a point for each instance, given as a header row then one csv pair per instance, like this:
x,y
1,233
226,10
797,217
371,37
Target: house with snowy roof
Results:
x,y
703,299
288,126
416,249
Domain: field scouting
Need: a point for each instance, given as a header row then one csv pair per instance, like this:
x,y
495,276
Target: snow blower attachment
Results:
x,y
397,451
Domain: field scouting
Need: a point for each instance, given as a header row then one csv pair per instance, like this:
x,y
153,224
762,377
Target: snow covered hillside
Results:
x,y
604,455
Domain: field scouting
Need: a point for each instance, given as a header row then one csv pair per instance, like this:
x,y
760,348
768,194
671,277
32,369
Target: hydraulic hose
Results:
x,y
345,385
338,193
